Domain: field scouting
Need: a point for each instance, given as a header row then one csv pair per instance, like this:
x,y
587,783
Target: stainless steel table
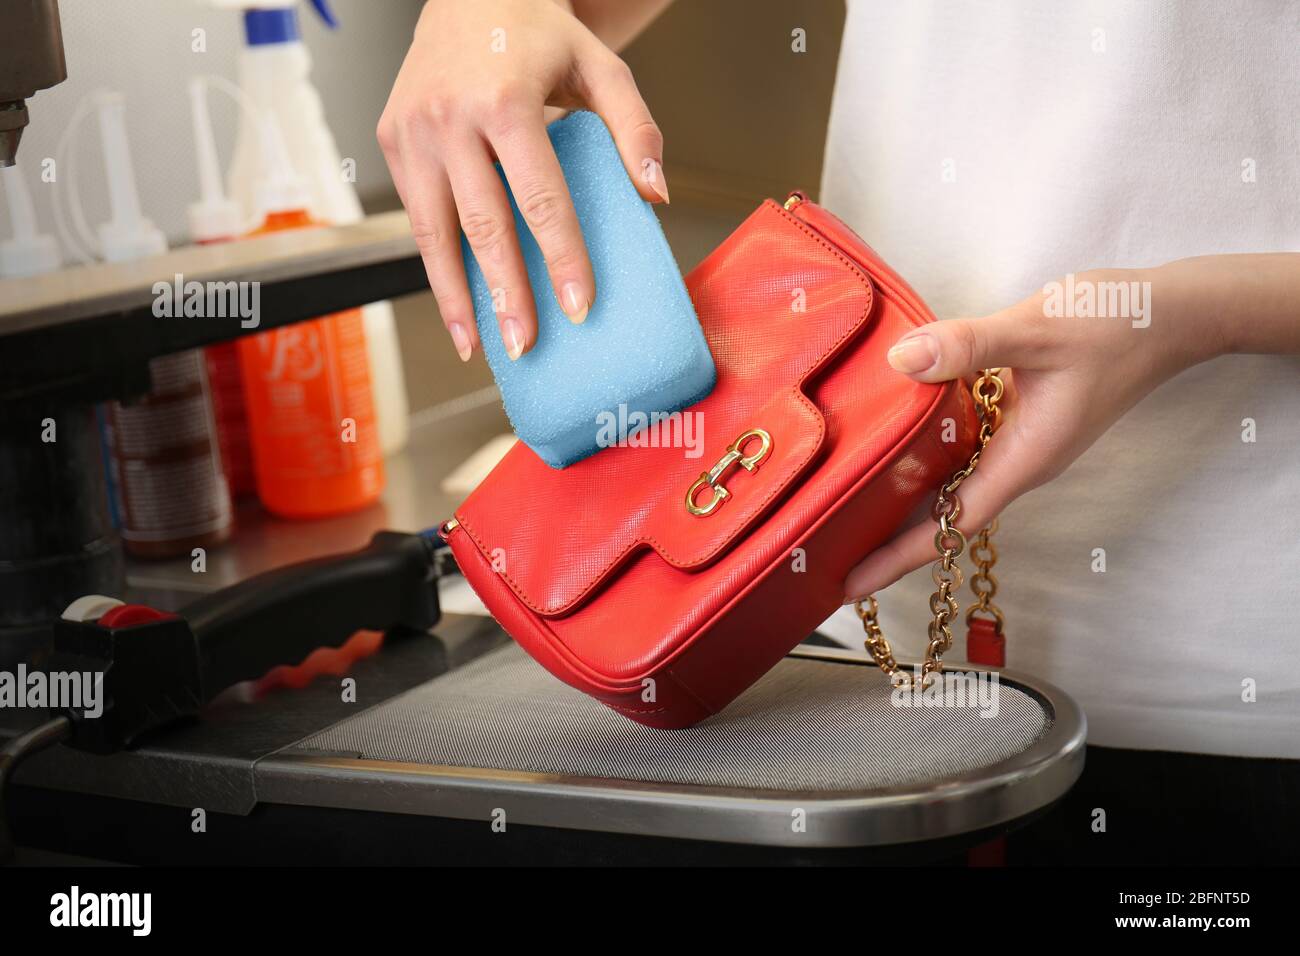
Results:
x,y
463,727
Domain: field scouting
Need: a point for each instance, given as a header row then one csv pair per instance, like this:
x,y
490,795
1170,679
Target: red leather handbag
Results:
x,y
664,584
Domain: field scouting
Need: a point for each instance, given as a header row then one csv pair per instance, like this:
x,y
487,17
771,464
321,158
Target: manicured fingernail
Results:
x,y
512,333
914,354
653,175
460,338
575,303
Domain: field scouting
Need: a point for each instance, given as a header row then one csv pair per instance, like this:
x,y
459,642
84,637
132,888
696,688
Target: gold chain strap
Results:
x,y
983,582
949,542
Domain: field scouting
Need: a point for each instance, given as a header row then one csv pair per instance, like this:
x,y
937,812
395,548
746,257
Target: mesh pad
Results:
x,y
807,725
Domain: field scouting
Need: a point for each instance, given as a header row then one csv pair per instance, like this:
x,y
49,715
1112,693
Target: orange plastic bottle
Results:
x,y
311,414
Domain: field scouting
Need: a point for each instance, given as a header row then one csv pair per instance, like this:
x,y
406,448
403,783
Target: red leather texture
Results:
x,y
985,644
602,574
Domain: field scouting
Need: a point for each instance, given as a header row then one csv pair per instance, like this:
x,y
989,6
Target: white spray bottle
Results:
x,y
275,74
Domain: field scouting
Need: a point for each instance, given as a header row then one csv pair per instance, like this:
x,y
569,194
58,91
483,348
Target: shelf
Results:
x,y
88,332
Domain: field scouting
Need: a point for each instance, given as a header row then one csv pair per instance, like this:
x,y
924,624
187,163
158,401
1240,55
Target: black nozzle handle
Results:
x,y
281,616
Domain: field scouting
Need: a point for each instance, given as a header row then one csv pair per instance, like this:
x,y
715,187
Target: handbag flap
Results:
x,y
776,301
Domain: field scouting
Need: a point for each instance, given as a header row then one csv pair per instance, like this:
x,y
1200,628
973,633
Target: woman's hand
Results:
x,y
473,89
1073,376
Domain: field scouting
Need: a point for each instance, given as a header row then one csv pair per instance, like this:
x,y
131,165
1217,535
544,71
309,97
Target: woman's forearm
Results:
x,y
1237,303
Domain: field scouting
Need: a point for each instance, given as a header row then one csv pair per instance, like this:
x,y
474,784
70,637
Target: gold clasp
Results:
x,y
735,455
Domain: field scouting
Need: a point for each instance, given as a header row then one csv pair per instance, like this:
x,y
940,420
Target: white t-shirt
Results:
x,y
984,149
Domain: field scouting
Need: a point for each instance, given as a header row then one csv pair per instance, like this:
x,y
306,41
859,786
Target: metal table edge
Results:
x,y
995,795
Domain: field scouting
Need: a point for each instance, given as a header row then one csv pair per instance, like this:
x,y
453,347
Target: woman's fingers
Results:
x,y
489,225
1018,337
999,479
542,196
432,213
477,80
430,208
1016,460
610,91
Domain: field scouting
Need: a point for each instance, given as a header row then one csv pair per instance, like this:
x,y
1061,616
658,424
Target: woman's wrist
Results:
x,y
1232,303
1185,311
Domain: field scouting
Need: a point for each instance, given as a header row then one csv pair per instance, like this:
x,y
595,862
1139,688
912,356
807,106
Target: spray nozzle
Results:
x,y
29,252
326,13
214,216
127,234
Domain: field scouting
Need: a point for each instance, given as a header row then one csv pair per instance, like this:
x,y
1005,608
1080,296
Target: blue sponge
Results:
x,y
641,346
